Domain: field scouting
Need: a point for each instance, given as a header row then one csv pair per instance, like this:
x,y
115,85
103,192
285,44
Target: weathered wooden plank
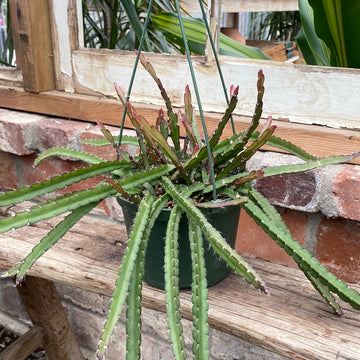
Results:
x,y
247,5
320,141
293,320
25,345
295,93
10,76
35,45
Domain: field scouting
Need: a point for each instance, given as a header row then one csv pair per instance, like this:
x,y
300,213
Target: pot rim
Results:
x,y
223,209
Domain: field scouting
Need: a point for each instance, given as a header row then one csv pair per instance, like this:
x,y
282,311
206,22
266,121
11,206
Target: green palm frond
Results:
x,y
195,31
330,32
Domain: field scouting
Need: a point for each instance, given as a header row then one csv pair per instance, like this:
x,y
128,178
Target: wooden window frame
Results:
x,y
58,79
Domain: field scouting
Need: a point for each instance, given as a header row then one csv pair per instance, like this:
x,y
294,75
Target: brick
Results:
x,y
103,207
296,191
94,133
338,248
15,128
150,348
87,326
54,167
10,301
85,184
8,177
252,240
47,169
346,190
93,302
54,132
156,323
113,209
105,152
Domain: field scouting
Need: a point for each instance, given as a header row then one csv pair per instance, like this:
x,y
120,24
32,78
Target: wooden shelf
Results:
x,y
293,320
317,140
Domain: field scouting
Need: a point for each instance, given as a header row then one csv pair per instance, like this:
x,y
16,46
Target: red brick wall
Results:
x,y
334,241
321,208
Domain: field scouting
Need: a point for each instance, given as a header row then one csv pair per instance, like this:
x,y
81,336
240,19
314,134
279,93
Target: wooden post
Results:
x,y
215,14
15,31
36,54
44,307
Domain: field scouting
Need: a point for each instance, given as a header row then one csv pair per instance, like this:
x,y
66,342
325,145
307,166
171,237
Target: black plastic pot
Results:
x,y
225,220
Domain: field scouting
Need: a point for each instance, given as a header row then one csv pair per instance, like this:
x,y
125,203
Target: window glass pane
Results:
x,y
118,25
7,53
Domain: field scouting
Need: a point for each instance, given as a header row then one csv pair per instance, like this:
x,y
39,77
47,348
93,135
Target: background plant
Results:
x,y
330,34
118,24
195,30
7,52
275,25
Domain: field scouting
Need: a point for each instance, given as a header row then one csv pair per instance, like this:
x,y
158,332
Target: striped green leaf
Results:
x,y
195,30
314,49
49,240
217,242
199,295
171,267
125,140
127,265
258,208
331,29
74,154
53,208
59,182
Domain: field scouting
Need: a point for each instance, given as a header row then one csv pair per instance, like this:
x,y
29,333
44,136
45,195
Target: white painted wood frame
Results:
x,y
233,6
295,93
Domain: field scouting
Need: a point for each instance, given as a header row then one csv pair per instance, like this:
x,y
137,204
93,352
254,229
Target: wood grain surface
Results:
x,y
293,320
317,140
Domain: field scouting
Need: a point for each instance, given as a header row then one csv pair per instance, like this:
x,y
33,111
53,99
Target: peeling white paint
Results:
x,y
62,25
301,94
80,23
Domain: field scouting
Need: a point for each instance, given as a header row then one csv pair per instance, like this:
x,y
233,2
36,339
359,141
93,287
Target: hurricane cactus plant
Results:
x,y
184,174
